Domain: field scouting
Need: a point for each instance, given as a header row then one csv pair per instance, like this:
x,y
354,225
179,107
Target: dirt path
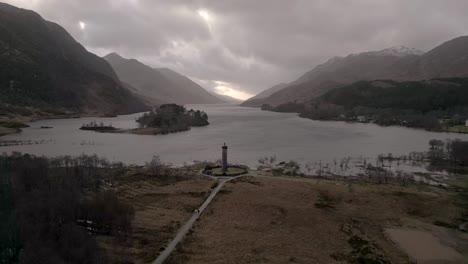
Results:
x,y
185,228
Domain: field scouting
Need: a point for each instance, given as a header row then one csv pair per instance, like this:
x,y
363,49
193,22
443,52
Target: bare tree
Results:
x,y
154,166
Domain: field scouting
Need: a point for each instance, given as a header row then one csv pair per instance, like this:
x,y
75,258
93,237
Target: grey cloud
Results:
x,y
252,44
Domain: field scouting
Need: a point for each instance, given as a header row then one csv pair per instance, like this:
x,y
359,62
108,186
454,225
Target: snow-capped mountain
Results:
x,y
448,60
400,51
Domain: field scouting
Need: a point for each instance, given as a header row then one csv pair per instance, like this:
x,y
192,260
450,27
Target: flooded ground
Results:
x,y
250,134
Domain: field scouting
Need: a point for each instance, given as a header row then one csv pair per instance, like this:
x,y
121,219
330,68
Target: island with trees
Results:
x,y
170,118
99,127
165,119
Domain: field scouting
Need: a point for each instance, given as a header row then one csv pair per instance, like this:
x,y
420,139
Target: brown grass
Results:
x,y
6,131
288,220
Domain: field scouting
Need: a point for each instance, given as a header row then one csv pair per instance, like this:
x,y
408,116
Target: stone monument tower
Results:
x,y
225,164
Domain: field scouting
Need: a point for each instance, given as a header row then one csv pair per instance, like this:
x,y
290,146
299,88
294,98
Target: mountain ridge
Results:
x,y
159,84
45,70
398,51
450,59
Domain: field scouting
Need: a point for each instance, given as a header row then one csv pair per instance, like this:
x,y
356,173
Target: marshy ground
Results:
x,y
297,220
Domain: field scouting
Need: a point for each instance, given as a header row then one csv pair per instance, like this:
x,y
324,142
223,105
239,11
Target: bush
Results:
x,y
325,201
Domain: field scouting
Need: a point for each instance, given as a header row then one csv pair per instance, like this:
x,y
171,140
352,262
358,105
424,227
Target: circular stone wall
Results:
x,y
233,170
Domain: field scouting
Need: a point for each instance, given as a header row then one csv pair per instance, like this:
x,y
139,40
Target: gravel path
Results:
x,y
184,230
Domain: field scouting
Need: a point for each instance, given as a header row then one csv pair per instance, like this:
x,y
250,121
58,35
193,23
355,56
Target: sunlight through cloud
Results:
x,y
82,25
228,89
205,15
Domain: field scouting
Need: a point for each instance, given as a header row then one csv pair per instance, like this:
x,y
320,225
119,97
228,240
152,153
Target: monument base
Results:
x,y
234,170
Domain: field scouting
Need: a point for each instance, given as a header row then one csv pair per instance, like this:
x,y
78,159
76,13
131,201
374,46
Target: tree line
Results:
x,y
50,209
432,105
454,152
173,118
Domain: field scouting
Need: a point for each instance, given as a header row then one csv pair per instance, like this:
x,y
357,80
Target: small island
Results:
x,y
94,126
170,118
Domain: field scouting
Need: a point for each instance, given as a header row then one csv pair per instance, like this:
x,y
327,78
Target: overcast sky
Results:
x,y
241,47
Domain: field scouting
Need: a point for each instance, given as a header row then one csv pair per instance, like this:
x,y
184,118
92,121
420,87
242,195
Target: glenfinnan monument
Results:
x,y
225,164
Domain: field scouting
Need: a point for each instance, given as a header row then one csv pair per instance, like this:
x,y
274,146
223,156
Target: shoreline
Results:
x,y
373,123
444,130
24,120
5,131
148,131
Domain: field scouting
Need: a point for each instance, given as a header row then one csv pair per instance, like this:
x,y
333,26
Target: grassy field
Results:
x,y
12,124
294,220
6,131
458,129
10,127
161,206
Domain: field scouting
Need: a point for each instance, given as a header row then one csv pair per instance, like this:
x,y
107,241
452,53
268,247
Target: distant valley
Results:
x,y
159,85
45,73
228,99
124,157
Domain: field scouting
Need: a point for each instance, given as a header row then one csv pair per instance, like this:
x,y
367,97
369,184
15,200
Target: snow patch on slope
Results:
x,y
400,51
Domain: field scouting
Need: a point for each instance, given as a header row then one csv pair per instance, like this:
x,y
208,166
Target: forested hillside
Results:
x,y
423,96
434,105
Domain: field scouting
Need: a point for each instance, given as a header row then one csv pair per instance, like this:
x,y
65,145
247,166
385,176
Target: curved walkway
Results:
x,y
184,229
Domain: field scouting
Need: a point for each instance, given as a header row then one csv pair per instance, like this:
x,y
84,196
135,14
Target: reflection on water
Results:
x,y
249,133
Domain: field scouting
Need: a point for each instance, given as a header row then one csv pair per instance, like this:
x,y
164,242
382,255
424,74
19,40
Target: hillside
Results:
x,y
447,60
401,64
253,102
423,96
160,85
44,71
420,104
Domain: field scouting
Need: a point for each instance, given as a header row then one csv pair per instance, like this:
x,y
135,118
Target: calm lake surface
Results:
x,y
250,134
